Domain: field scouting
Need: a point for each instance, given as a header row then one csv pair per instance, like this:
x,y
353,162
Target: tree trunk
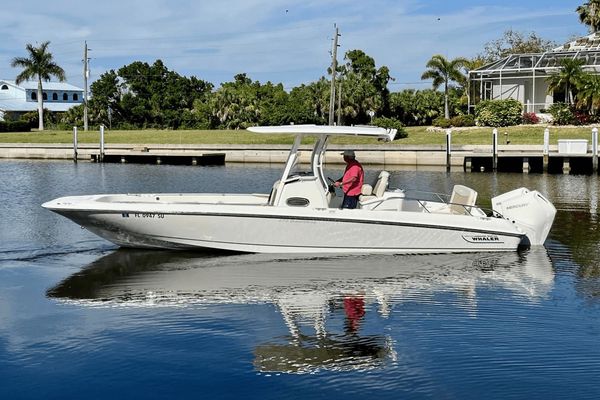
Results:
x,y
446,110
468,97
40,96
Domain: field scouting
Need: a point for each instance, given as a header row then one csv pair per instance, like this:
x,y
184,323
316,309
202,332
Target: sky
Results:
x,y
287,41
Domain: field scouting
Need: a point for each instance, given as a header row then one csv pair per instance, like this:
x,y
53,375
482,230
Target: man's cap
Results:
x,y
349,153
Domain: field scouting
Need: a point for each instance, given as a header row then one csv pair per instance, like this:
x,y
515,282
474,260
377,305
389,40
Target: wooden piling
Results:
x,y
74,144
595,150
101,155
566,166
546,150
448,149
526,166
494,149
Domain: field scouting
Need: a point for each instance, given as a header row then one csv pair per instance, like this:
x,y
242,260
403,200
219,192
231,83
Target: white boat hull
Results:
x,y
265,229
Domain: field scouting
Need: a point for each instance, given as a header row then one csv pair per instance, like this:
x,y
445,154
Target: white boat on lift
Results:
x,y
301,214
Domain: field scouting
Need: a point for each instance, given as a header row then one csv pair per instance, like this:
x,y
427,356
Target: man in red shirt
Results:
x,y
352,180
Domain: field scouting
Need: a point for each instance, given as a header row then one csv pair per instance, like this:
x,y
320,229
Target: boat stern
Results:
x,y
528,210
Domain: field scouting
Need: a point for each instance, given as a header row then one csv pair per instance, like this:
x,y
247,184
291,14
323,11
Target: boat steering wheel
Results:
x,y
331,186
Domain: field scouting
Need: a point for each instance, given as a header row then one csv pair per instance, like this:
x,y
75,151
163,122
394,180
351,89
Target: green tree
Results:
x,y
154,96
236,104
513,42
443,72
359,96
567,78
416,107
38,65
364,87
589,14
143,95
309,104
105,104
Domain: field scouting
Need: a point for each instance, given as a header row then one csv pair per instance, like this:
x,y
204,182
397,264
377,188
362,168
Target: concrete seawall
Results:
x,y
401,155
472,158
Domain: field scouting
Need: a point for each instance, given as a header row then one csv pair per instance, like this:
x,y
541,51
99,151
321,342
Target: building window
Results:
x,y
45,96
54,96
4,87
65,97
33,96
75,97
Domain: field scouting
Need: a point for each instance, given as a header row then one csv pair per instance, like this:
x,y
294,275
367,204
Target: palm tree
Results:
x,y
588,92
567,77
444,71
470,65
589,14
38,65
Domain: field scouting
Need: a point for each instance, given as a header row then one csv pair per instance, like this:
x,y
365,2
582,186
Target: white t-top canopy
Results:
x,y
318,130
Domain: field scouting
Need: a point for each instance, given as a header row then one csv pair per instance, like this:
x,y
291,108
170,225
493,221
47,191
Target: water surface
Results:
x,y
80,318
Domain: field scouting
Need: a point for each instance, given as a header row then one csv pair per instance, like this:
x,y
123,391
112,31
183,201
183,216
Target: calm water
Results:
x,y
81,319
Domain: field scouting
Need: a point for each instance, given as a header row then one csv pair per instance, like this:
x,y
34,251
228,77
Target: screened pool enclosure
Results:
x,y
523,76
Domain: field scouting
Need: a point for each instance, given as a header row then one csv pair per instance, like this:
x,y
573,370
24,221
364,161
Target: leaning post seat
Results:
x,y
369,192
462,199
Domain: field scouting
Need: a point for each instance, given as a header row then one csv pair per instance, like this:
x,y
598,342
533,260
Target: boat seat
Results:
x,y
462,196
369,192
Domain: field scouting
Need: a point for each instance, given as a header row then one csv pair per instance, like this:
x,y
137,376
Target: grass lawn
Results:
x,y
416,136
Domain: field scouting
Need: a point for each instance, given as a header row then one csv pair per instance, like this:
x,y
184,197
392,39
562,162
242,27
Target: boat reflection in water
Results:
x,y
313,294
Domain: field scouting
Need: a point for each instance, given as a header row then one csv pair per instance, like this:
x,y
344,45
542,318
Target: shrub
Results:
x,y
457,121
442,122
499,112
583,118
530,118
390,123
462,120
562,114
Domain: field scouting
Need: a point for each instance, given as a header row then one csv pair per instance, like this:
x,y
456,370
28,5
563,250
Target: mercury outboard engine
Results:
x,y
529,210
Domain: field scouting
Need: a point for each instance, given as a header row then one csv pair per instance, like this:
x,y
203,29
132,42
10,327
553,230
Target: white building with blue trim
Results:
x,y
18,99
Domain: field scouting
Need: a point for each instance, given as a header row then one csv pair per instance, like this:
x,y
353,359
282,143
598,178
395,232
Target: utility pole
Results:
x,y
333,72
86,74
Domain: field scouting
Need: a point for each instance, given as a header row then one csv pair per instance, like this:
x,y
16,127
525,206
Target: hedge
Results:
x,y
15,126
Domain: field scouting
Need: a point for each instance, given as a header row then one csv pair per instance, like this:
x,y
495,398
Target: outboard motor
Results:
x,y
529,210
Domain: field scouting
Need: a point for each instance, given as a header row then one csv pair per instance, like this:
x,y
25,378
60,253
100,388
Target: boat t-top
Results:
x,y
302,214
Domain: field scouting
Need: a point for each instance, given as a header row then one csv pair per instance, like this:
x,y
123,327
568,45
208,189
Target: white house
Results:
x,y
22,98
523,76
